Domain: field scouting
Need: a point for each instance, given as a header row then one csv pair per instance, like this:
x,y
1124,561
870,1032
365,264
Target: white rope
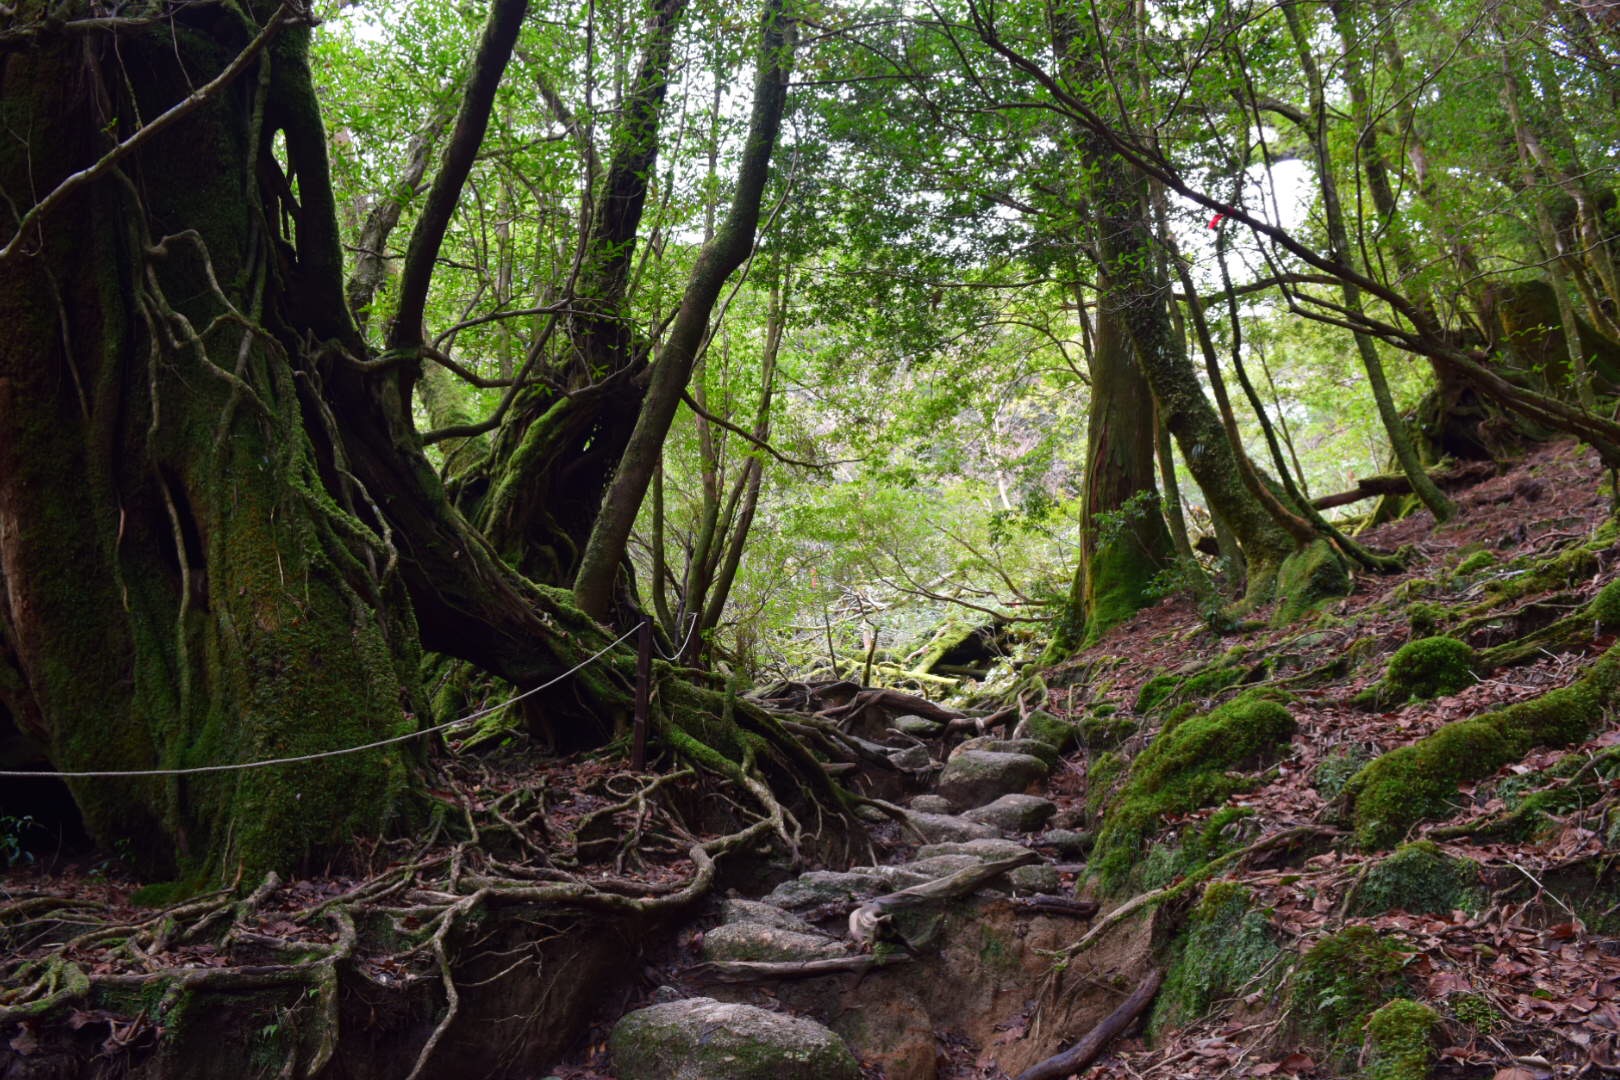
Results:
x,y
680,652
479,715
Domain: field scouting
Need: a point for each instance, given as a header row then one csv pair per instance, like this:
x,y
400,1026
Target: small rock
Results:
x,y
983,850
756,941
666,994
913,759
1067,841
1073,817
938,866
871,814
1032,747
975,777
917,726
931,804
825,887
704,1039
944,828
1042,878
1015,813
753,911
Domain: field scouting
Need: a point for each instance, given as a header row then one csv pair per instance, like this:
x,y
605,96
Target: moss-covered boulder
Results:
x,y
1341,981
1014,813
704,1039
975,777
1420,878
1197,684
1106,732
1604,610
1227,943
1400,1041
1430,667
1184,770
1033,747
1408,784
1474,563
1060,734
757,941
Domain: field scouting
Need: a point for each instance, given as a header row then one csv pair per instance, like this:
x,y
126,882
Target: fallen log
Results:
x,y
1372,487
1089,1048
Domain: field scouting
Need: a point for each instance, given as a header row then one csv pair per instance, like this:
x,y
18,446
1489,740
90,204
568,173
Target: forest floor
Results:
x,y
1527,983
1524,977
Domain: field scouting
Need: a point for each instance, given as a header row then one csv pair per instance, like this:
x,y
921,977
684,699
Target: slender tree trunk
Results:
x,y
599,562
1400,439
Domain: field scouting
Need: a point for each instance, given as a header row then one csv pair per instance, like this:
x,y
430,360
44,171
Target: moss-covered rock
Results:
x,y
704,1039
1106,732
1226,944
1420,878
1184,770
1605,607
1430,667
1054,731
1473,564
1425,618
1400,1041
1413,782
1185,686
1342,980
1308,578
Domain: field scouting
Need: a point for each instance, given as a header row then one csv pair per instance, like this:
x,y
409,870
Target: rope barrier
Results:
x,y
102,774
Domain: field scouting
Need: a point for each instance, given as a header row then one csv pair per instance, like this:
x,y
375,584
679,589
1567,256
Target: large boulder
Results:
x,y
1014,813
820,887
983,850
975,777
1032,747
944,828
704,1039
737,910
916,726
757,941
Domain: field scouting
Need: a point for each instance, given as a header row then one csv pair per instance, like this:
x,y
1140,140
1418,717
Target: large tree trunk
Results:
x,y
179,587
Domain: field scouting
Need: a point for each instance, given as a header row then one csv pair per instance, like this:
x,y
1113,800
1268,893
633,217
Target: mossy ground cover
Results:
x,y
1473,775
1190,767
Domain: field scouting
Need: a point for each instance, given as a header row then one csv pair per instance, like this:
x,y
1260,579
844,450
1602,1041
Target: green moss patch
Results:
x,y
1342,980
1227,944
1106,732
1408,784
1419,878
1163,689
1430,667
1473,564
1311,576
1052,730
1400,1041
1184,770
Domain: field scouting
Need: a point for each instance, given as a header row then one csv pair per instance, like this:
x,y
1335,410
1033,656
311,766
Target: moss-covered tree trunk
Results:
x,y
180,587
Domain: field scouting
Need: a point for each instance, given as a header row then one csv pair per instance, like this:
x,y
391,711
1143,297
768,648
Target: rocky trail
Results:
x,y
1377,842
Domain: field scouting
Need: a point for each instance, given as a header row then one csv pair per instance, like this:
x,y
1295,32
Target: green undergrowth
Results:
x,y
1182,770
1227,944
1408,784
